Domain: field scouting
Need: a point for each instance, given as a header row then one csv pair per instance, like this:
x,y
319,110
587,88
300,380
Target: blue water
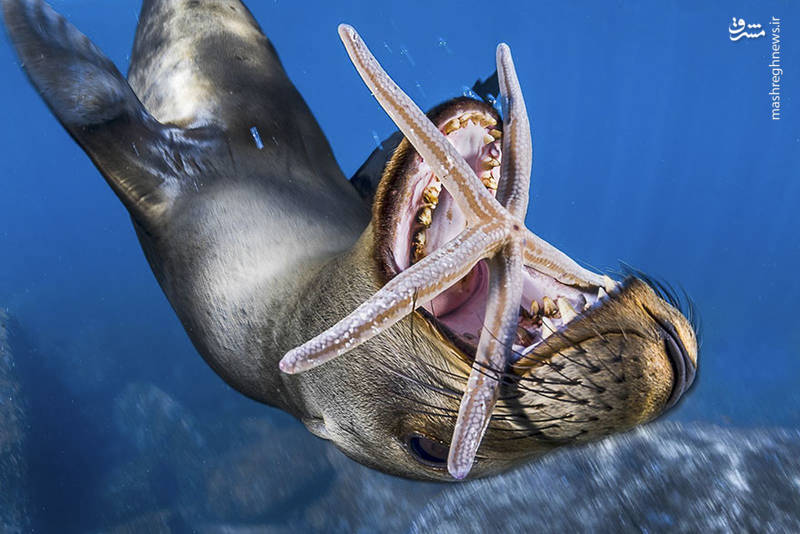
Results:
x,y
653,145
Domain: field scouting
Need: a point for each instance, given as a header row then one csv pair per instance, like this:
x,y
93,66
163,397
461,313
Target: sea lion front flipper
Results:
x,y
199,63
145,162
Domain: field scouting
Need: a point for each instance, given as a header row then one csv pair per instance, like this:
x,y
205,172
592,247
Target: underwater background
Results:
x,y
654,145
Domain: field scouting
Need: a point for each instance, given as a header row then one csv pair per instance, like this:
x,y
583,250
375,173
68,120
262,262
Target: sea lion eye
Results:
x,y
427,451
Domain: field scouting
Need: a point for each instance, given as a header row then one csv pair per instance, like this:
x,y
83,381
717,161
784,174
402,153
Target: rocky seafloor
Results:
x,y
178,470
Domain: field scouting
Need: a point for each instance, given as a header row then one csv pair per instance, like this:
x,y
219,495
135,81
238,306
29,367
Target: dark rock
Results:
x,y
272,476
155,422
365,500
661,478
167,462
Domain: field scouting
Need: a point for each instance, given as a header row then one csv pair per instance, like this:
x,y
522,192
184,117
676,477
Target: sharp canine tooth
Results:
x,y
601,294
425,216
497,134
548,328
567,312
488,139
609,283
535,308
549,306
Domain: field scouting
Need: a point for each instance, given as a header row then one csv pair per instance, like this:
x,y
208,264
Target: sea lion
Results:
x,y
474,344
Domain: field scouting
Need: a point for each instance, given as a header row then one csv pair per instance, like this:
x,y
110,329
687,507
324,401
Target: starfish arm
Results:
x,y
495,230
517,147
494,346
412,288
448,165
547,259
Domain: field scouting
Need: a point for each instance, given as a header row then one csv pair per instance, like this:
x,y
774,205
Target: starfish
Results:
x,y
495,232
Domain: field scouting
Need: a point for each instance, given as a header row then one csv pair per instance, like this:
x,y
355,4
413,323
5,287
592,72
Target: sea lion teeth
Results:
x,y
535,310
418,245
548,327
487,164
451,126
425,216
431,194
489,180
495,133
488,139
582,303
601,294
609,284
550,309
566,310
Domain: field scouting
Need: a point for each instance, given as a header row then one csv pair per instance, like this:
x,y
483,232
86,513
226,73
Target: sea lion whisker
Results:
x,y
443,371
591,385
554,395
523,417
449,416
438,389
417,402
615,357
547,342
544,437
566,381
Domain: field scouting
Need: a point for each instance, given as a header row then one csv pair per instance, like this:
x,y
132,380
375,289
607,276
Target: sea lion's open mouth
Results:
x,y
424,217
461,251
